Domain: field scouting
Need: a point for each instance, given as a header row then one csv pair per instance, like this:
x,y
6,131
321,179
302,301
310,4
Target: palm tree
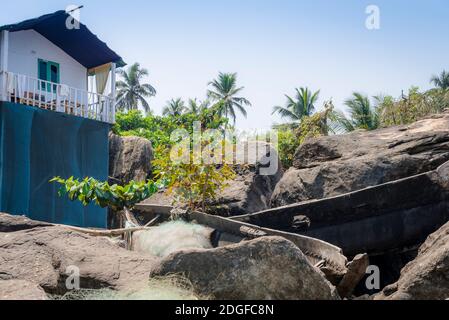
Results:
x,y
174,107
363,115
131,92
196,107
302,105
441,81
224,93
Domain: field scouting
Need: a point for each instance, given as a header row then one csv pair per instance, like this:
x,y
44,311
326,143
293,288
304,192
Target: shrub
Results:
x,y
192,184
412,107
104,195
288,143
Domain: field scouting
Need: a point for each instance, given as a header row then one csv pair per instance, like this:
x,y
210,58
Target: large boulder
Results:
x,y
335,165
44,256
21,290
249,192
262,269
426,277
252,187
129,158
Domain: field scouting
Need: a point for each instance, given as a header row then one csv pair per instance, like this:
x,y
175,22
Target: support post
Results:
x,y
113,90
4,48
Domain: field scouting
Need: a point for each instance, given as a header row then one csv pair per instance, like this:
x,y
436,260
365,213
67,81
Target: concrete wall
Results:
x,y
26,47
37,145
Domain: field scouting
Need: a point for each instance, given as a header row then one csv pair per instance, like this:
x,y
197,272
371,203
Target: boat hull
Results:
x,y
390,216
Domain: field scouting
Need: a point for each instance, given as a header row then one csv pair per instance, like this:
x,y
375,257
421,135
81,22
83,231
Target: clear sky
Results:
x,y
273,45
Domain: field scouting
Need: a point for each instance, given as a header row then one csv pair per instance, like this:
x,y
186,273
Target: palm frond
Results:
x,y
285,113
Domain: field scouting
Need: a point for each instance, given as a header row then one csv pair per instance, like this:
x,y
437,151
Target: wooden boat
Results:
x,y
391,216
329,258
315,249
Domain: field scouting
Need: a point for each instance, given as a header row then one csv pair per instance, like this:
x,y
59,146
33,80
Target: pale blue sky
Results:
x,y
274,46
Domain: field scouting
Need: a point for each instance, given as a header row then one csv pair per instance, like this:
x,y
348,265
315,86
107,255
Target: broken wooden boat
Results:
x,y
231,231
329,258
391,216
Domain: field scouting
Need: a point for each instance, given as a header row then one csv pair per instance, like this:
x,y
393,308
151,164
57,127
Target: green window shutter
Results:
x,y
48,71
42,69
54,72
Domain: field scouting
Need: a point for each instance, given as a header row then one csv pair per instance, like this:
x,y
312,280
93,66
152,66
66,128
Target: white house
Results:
x,y
46,63
57,89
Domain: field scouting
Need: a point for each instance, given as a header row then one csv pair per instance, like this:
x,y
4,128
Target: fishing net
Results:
x,y
172,236
167,288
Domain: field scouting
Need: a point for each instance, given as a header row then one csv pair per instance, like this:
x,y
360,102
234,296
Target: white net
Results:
x,y
172,236
168,288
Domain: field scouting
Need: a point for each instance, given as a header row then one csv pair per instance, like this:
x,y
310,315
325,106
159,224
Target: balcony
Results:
x,y
56,97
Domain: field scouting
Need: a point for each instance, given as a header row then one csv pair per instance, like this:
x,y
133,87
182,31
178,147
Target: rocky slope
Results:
x,y
334,165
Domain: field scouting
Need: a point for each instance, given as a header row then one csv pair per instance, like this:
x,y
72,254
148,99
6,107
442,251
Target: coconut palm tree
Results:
x,y
303,104
363,115
224,93
174,107
441,81
196,107
131,92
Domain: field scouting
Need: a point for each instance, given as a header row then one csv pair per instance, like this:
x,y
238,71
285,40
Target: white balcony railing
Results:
x,y
57,97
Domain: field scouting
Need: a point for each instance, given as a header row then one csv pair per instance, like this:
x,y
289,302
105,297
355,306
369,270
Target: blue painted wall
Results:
x,y
37,145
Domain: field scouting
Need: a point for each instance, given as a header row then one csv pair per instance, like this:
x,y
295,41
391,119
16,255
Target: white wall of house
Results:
x,y
27,47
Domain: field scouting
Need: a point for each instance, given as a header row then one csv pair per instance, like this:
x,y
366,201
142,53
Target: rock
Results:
x,y
42,256
258,172
261,269
251,189
335,165
129,158
249,192
10,223
426,277
21,290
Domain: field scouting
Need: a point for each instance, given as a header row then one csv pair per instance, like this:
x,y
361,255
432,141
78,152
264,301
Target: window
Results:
x,y
48,71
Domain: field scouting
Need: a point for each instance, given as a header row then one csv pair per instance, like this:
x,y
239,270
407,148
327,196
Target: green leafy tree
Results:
x,y
131,91
192,184
224,93
174,107
116,197
158,129
302,105
127,121
441,81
